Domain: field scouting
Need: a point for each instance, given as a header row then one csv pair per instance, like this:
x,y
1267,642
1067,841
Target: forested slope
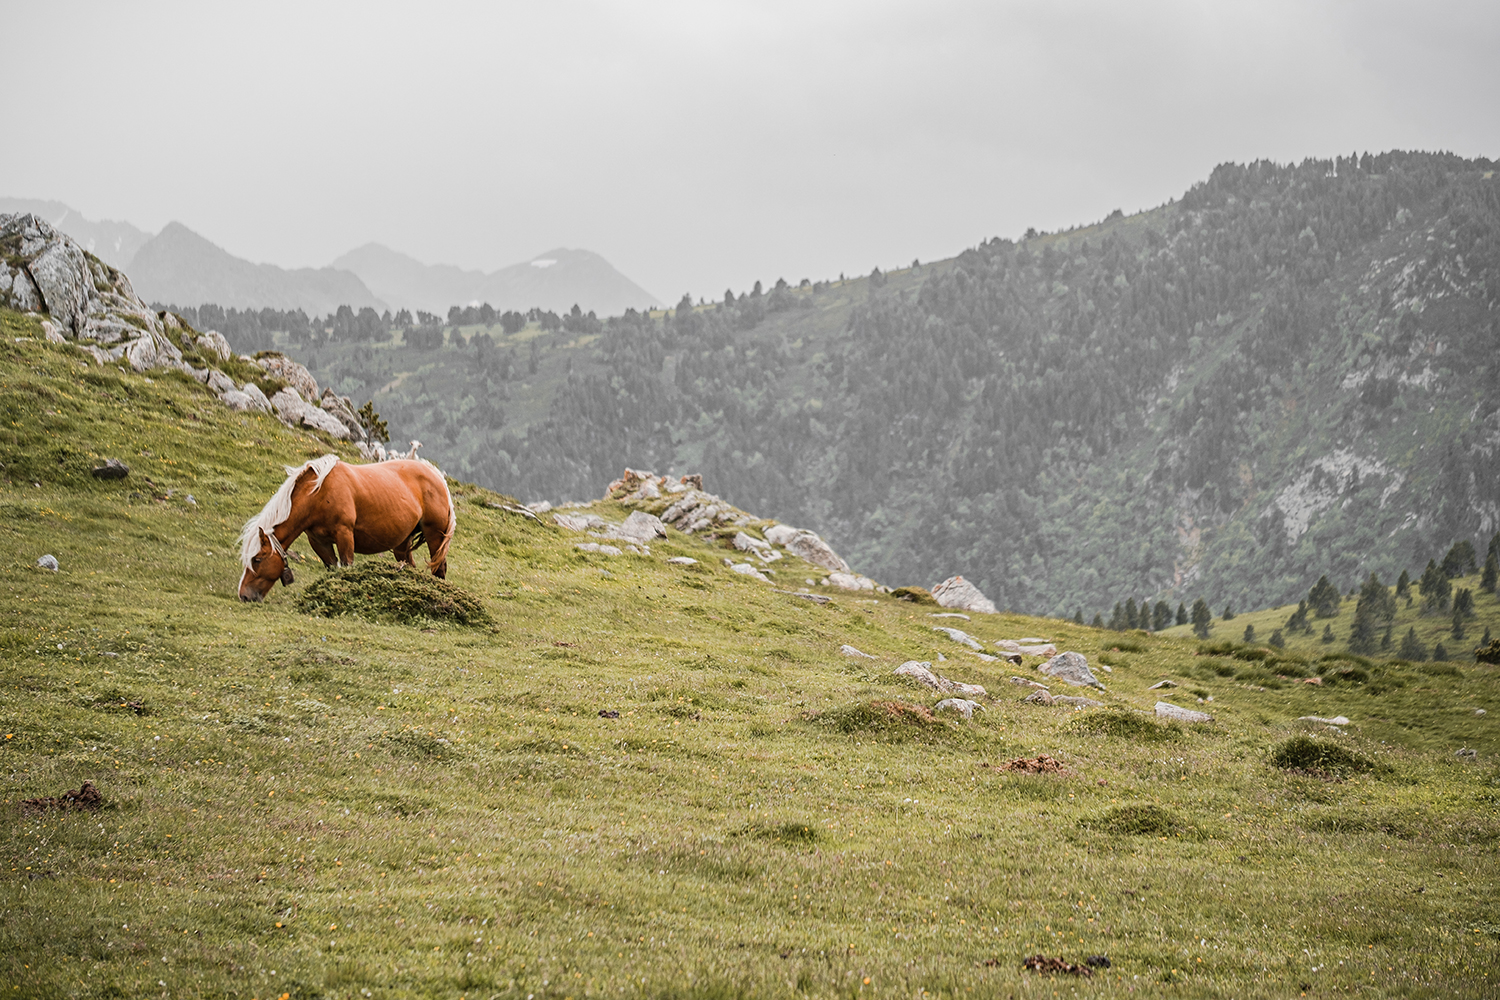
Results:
x,y
1287,372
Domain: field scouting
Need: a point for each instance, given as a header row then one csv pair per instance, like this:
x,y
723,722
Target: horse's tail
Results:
x,y
438,557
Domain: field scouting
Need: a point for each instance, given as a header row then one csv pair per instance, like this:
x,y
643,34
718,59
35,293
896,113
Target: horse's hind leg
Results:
x,y
343,537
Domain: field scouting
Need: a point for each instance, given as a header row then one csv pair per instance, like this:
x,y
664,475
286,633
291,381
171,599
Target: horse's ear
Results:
x,y
287,579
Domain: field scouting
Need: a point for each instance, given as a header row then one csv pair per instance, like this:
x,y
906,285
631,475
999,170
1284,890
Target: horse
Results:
x,y
391,506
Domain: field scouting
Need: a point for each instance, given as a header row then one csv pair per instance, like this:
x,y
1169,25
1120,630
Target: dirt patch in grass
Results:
x,y
1126,725
1046,966
1319,758
86,798
384,592
1040,764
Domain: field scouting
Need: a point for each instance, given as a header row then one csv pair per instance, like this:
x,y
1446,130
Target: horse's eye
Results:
x,y
256,560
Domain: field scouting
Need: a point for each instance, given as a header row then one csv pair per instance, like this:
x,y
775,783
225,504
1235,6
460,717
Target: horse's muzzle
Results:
x,y
251,597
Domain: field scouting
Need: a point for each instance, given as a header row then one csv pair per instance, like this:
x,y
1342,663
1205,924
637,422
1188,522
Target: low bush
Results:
x,y
1319,758
386,592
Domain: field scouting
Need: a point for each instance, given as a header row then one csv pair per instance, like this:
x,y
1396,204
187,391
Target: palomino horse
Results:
x,y
385,507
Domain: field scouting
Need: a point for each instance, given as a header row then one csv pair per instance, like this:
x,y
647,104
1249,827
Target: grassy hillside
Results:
x,y
298,806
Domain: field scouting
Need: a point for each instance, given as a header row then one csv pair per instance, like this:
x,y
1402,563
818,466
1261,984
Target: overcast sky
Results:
x,y
702,145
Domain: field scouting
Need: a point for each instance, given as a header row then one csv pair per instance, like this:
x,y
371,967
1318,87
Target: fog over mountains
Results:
x,y
177,265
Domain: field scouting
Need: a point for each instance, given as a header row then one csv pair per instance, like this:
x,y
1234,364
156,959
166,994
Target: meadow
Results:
x,y
302,806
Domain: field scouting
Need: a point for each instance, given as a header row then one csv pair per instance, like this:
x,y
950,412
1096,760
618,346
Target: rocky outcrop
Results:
x,y
806,545
956,592
88,302
921,672
1071,668
293,374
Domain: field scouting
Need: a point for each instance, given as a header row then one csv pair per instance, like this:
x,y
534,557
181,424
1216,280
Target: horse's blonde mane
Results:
x,y
279,507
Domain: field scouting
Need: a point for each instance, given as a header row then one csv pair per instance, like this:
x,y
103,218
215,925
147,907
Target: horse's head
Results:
x,y
266,567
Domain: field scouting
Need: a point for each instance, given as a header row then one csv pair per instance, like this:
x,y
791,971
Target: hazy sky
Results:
x,y
705,145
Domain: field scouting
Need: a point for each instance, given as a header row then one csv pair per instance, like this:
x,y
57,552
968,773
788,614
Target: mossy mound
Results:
x,y
386,592
916,595
792,833
894,720
1126,725
1319,757
1137,821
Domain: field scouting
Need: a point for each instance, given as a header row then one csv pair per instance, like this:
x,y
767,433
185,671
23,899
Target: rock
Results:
x,y
692,481
1046,649
762,550
52,333
1041,696
61,273
850,581
806,545
112,468
341,408
219,382
1167,710
1466,753
959,635
956,592
849,650
289,406
603,550
321,420
682,561
1337,720
957,706
1075,701
1071,668
17,290
629,482
213,344
950,614
293,374
921,672
171,322
258,400
1027,682
745,569
1479,711
237,401
540,507
578,522
48,561
639,527
1162,684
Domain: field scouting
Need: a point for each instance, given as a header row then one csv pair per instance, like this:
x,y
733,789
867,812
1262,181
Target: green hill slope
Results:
x,y
299,806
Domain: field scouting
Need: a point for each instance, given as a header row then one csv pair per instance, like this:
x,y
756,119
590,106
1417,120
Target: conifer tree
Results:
x,y
1491,577
1327,638
1435,588
1132,617
1403,587
1228,614
1117,620
1439,653
1078,616
1202,619
1458,624
1412,648
1249,633
1182,615
1277,639
1386,639
1460,560
1161,616
1324,599
1098,621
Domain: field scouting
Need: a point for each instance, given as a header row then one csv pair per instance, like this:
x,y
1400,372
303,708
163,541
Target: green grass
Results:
x,y
432,810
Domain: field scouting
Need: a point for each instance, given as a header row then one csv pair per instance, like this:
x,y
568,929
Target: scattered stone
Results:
x,y
1045,966
212,343
957,706
112,468
1071,668
1466,753
762,550
956,592
1162,684
948,614
745,569
638,527
289,406
682,561
958,635
603,550
342,409
1075,701
237,401
609,713
578,522
293,374
52,333
1479,711
1167,710
806,545
321,420
1008,657
1045,649
1027,682
1040,764
540,507
1337,720
171,322
1041,696
850,581
48,561
86,796
849,650
921,672
815,598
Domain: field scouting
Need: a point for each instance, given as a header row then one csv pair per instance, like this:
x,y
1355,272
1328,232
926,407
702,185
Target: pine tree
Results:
x,y
1249,633
1460,560
1277,639
1298,619
1228,614
1098,621
1324,599
1387,637
1375,605
1132,618
1491,576
1458,624
1182,615
1463,602
1487,638
1435,588
1412,648
1439,653
1117,620
1403,587
1078,617
1328,637
1202,619
1161,616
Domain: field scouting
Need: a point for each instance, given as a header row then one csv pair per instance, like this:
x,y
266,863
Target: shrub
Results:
x,y
386,592
1319,757
1488,654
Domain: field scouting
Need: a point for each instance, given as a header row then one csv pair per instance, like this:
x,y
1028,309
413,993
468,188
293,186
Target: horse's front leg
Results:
x,y
323,548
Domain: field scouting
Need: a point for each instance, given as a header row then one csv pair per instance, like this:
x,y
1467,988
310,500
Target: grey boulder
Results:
x,y
112,468
956,592
806,545
48,561
1176,713
956,706
1071,668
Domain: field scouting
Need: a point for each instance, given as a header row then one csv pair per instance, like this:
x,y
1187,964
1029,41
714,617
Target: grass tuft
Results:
x,y
1317,757
384,592
1125,725
882,717
1137,821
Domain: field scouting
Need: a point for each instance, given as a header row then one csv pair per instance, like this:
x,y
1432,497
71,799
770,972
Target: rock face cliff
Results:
x,y
43,270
